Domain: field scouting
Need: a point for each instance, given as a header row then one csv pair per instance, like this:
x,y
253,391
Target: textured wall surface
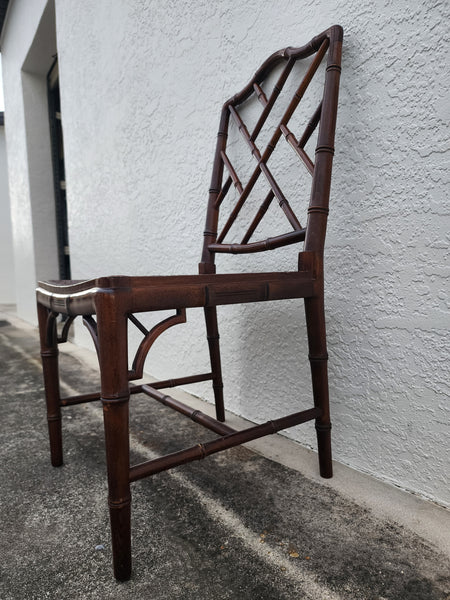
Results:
x,y
7,291
142,83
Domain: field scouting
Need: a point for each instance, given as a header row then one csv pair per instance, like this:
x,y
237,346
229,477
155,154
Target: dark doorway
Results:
x,y
59,177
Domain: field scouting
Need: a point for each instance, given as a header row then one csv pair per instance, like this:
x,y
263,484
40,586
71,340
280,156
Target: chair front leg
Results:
x,y
318,358
115,415
49,356
113,359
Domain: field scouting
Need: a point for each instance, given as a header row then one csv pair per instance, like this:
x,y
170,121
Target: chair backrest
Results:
x,y
268,86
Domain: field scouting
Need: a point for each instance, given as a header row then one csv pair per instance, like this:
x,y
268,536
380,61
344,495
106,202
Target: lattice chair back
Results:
x,y
276,86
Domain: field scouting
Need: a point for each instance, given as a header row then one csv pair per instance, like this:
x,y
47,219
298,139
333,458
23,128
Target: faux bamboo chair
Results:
x,y
107,304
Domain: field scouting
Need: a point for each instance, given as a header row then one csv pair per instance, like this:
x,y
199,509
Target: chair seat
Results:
x,y
178,291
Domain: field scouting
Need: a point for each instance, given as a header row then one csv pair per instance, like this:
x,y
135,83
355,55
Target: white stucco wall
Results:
x,y
142,83
27,46
7,286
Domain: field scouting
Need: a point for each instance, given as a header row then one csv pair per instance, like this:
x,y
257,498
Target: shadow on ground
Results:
x,y
235,526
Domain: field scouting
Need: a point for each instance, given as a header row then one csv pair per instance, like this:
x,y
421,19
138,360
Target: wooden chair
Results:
x,y
108,303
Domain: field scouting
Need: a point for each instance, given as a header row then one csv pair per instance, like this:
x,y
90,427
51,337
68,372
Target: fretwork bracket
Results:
x,y
137,370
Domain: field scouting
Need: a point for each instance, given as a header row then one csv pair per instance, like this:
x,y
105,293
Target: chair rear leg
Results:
x,y
212,334
49,355
318,357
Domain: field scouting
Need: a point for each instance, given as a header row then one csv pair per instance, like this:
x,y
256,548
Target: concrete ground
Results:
x,y
239,525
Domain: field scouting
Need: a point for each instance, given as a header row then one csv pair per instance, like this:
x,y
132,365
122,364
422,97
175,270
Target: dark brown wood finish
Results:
x,y
108,304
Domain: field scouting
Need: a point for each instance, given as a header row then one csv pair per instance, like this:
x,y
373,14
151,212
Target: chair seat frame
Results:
x,y
108,304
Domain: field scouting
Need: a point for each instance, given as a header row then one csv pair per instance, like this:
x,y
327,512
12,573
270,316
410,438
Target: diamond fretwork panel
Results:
x,y
240,183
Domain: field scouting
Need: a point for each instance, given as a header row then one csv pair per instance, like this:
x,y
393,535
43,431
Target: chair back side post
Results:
x,y
320,188
207,264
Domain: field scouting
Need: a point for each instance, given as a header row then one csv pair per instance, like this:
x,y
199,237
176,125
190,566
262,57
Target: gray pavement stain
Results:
x,y
234,526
